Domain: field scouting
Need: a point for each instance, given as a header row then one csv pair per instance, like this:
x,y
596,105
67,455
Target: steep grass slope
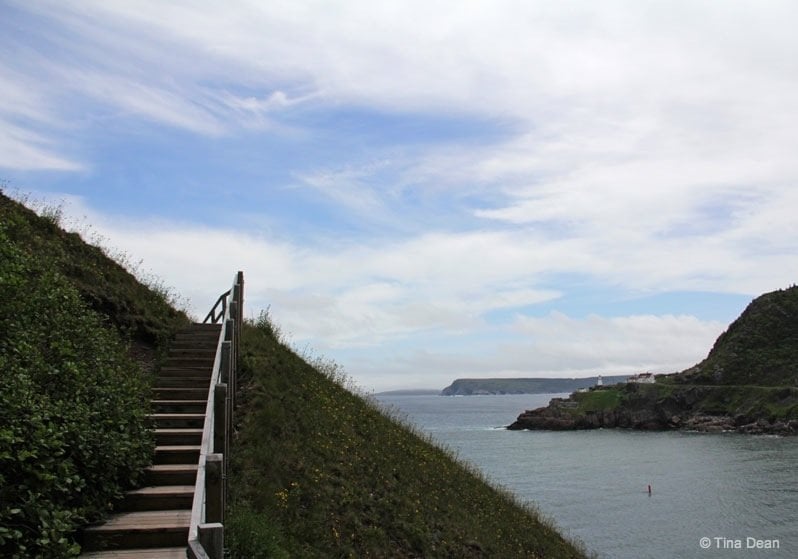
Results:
x,y
320,472
759,348
138,312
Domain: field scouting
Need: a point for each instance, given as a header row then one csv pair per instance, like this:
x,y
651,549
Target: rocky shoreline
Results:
x,y
560,416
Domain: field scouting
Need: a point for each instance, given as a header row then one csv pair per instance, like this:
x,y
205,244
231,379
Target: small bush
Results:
x,y
73,409
250,535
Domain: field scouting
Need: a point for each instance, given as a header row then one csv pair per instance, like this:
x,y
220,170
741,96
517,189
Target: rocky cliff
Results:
x,y
748,383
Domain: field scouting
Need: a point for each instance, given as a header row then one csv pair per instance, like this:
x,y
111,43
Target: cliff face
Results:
x,y
689,407
747,383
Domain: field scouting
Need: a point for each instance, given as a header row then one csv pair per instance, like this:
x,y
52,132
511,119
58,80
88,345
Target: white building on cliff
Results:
x,y
642,378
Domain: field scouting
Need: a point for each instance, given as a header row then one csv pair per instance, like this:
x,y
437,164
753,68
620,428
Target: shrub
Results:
x,y
73,408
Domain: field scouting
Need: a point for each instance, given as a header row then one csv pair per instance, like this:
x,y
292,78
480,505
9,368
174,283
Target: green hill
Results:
x,y
759,348
318,471
748,383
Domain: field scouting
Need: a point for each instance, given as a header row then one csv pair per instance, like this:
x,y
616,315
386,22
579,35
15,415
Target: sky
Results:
x,y
426,190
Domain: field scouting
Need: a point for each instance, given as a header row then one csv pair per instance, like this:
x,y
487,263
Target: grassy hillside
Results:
x,y
73,402
320,472
759,348
142,313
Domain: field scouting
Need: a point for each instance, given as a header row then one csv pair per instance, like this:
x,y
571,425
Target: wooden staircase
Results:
x,y
153,521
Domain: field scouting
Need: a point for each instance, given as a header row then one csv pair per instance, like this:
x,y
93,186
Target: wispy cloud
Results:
x,y
24,117
22,149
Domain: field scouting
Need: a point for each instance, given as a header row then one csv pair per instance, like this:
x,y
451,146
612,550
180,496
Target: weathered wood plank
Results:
x,y
154,553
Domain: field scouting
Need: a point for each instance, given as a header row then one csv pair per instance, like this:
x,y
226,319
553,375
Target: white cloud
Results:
x,y
647,147
23,149
629,343
154,102
409,313
528,60
555,345
22,110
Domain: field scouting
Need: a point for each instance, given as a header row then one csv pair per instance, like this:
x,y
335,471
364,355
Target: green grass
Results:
x,y
597,400
771,403
321,472
759,348
768,402
143,311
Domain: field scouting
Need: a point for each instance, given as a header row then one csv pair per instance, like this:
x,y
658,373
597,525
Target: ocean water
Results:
x,y
713,495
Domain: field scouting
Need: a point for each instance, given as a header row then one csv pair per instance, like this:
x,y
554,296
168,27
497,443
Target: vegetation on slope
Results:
x,y
143,313
72,411
73,404
759,348
321,472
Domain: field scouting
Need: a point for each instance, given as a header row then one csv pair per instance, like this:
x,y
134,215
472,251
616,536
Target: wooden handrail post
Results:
x,y
214,488
219,417
211,537
238,297
224,375
230,335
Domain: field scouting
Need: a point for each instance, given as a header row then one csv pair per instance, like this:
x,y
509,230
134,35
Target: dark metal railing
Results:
x,y
212,316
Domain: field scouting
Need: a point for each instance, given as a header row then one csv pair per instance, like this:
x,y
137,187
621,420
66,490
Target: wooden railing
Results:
x,y
206,531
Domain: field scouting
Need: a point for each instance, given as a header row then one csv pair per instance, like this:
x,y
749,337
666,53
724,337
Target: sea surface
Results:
x,y
735,491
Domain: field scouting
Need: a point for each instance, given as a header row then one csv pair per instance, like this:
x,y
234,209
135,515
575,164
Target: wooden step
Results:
x,y
177,454
153,553
179,406
144,529
172,393
183,382
178,420
200,343
203,326
189,362
202,329
152,522
194,343
207,353
169,437
171,474
195,336
158,497
202,371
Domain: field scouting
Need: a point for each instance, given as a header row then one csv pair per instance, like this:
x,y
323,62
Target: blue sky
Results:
x,y
426,190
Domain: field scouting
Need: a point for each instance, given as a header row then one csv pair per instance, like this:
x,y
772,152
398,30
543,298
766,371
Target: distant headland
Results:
x,y
486,386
